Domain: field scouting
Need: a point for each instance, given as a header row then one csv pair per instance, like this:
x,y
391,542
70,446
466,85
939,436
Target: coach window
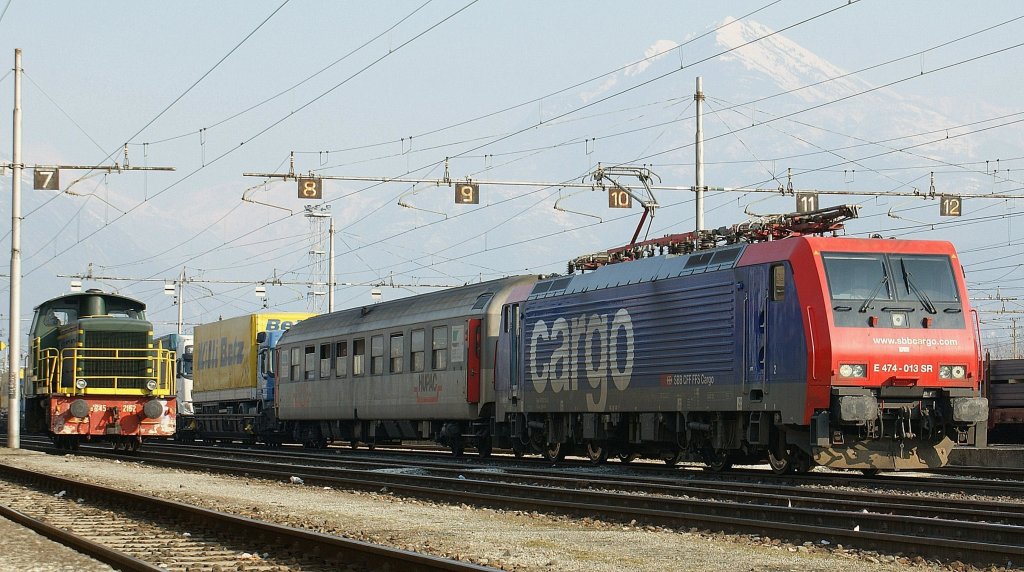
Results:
x,y
341,359
417,350
310,362
376,355
778,282
439,355
285,368
397,348
358,356
296,364
325,360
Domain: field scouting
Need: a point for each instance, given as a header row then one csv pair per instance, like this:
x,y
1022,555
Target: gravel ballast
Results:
x,y
509,540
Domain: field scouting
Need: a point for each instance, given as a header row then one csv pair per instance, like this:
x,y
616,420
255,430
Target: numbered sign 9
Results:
x,y
467,194
950,205
619,199
310,188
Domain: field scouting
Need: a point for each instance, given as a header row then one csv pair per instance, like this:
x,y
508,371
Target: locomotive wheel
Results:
x,y
458,448
596,453
554,452
626,458
354,444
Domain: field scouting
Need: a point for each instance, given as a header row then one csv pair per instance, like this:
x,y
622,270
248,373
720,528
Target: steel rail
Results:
x,y
371,556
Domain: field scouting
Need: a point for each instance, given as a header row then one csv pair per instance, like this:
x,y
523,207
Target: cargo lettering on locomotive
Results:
x,y
603,341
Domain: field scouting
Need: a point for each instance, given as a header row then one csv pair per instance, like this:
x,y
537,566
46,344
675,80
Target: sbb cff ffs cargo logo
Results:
x,y
603,341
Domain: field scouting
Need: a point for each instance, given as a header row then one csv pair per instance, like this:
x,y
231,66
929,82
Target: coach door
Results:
x,y
514,342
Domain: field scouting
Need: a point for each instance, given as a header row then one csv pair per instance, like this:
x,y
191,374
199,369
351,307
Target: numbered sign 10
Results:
x,y
619,199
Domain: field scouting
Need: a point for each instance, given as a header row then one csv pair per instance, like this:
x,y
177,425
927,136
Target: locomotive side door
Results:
x,y
756,333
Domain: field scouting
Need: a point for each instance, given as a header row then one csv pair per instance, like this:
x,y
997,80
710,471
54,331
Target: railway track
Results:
x,y
132,531
972,530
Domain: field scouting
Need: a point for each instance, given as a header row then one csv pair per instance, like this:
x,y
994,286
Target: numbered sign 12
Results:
x,y
950,205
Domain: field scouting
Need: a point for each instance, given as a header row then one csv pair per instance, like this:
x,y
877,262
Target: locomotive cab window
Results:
x,y
778,282
923,276
439,355
857,276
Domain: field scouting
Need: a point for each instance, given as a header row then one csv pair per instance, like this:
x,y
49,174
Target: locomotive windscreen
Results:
x,y
894,290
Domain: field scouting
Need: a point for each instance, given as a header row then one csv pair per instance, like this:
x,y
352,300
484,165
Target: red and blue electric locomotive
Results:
x,y
742,345
802,351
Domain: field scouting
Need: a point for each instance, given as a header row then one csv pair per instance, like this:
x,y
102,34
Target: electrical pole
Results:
x,y
330,268
14,343
699,183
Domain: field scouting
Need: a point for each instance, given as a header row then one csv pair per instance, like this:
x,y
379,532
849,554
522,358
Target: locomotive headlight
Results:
x,y
151,384
80,383
853,370
952,372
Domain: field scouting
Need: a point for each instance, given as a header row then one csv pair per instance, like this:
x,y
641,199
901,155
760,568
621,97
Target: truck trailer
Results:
x,y
234,385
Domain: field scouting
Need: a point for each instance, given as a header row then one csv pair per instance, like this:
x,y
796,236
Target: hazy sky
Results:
x,y
864,97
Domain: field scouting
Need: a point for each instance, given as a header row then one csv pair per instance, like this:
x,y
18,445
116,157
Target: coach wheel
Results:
x,y
596,453
627,458
869,472
784,463
353,444
484,447
133,446
554,452
458,448
672,459
719,461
